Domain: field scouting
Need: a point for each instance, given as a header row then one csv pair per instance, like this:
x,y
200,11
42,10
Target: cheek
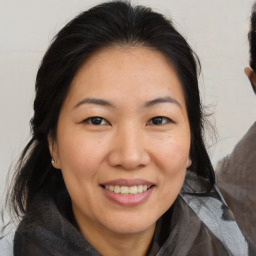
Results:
x,y
174,153
172,161
80,159
80,155
173,165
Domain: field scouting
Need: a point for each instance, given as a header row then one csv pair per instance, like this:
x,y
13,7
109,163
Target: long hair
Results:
x,y
105,25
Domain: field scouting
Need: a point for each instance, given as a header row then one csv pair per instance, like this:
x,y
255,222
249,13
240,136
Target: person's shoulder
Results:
x,y
237,170
243,155
236,179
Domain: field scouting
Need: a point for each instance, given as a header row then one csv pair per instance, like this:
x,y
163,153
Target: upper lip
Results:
x,y
128,183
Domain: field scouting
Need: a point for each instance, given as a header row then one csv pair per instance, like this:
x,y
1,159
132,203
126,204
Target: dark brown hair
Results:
x,y
105,25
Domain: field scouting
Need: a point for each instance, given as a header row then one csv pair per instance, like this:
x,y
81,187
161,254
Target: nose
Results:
x,y
128,150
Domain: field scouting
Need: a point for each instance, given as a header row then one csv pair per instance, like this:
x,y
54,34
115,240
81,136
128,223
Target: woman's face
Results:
x,y
123,140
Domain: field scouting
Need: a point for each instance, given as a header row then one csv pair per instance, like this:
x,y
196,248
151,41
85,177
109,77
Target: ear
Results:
x,y
53,148
189,162
251,76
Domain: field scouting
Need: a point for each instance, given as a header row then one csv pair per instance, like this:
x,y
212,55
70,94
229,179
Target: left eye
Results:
x,y
159,120
96,120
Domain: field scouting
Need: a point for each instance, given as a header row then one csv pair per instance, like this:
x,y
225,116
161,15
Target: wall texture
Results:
x,y
216,30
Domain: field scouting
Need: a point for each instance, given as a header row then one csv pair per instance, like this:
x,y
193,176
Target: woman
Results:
x,y
117,122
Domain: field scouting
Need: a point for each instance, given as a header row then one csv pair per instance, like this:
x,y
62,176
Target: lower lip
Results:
x,y
128,200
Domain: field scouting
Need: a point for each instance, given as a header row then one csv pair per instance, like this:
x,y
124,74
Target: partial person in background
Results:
x,y
236,173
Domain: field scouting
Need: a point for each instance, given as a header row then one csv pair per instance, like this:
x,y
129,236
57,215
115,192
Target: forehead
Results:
x,y
130,71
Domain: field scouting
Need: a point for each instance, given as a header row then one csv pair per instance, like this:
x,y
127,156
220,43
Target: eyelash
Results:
x,y
97,120
159,118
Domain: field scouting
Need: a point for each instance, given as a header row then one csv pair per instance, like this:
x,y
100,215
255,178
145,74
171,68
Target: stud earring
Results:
x,y
53,161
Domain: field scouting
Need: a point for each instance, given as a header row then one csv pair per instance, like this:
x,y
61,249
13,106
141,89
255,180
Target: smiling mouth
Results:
x,y
125,190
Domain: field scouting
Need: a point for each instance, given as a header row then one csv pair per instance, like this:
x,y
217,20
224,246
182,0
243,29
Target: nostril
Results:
x,y
128,154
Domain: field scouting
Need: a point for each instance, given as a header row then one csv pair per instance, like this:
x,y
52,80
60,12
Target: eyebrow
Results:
x,y
167,99
94,101
105,103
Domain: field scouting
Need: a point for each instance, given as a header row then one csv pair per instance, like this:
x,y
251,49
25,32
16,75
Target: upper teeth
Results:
x,y
124,190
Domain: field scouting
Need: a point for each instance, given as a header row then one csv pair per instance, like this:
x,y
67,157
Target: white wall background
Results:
x,y
216,30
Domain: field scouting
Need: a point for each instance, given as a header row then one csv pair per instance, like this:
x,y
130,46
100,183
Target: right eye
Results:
x,y
96,120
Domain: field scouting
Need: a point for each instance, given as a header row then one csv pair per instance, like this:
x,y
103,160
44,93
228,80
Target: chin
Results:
x,y
130,224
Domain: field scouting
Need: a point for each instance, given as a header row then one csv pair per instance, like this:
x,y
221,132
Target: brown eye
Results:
x,y
96,120
159,120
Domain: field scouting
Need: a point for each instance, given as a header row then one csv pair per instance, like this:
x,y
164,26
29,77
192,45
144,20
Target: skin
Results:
x,y
251,76
126,144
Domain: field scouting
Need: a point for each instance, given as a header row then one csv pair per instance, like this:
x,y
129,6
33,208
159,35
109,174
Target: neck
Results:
x,y
108,243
